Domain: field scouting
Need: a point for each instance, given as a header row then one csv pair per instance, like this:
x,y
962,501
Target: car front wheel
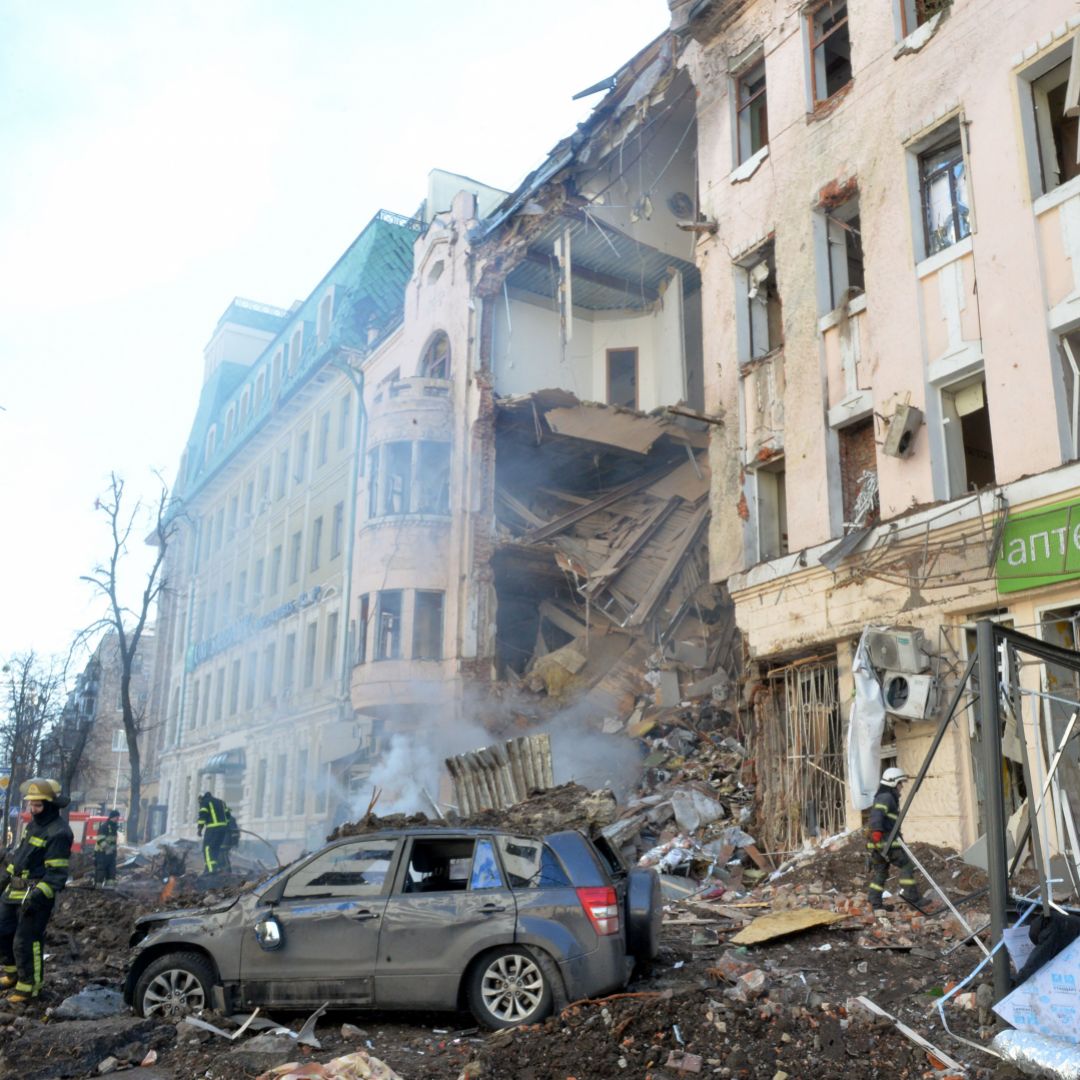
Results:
x,y
173,986
508,987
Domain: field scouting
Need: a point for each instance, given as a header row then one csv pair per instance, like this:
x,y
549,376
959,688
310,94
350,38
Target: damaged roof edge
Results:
x,y
648,62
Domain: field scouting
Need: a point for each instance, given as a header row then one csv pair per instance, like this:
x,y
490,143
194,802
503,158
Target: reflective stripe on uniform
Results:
x,y
12,895
24,988
879,888
38,841
46,888
39,967
57,862
906,880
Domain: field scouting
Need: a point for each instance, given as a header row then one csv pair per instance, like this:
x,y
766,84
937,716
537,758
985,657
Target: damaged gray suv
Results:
x,y
506,926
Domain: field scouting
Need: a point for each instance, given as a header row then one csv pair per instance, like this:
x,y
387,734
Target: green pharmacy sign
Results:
x,y
1040,547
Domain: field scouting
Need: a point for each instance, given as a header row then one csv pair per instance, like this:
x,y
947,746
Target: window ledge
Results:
x,y
919,36
749,166
748,365
828,105
412,519
1054,198
856,306
935,262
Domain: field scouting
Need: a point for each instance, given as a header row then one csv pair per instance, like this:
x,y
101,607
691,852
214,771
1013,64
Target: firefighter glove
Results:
x,y
877,836
35,900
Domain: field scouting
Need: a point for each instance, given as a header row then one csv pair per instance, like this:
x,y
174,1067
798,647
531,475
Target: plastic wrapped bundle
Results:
x,y
1036,1055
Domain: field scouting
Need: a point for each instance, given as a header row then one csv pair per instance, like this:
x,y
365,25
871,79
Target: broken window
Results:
x,y
968,443
530,864
772,510
362,628
913,13
433,478
388,625
761,328
830,49
622,373
439,866
435,363
845,254
428,626
1055,132
943,185
752,111
858,473
359,869
1069,352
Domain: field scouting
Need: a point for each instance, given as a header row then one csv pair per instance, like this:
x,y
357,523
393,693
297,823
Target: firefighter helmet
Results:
x,y
40,789
893,776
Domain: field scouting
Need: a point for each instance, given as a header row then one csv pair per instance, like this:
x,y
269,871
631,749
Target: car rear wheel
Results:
x,y
509,987
173,986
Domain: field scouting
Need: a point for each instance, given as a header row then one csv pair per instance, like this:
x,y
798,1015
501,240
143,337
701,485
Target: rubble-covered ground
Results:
x,y
783,1008
780,1008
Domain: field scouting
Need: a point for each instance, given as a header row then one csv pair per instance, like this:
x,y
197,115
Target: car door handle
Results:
x,y
491,909
365,914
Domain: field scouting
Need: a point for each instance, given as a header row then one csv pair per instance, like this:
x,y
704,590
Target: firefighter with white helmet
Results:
x,y
883,816
35,873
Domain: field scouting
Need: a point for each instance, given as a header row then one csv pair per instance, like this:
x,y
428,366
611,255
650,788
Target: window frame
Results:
x,y
816,42
744,120
927,178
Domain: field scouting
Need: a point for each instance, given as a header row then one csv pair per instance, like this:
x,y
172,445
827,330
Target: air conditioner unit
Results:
x,y
903,427
911,696
897,650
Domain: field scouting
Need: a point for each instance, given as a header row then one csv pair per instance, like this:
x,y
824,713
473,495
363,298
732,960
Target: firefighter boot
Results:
x,y
8,979
21,995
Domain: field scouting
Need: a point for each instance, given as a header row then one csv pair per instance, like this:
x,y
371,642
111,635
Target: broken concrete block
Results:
x,y
750,986
107,1066
667,689
694,810
684,1062
93,1003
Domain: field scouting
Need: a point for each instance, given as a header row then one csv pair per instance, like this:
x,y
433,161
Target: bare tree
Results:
x,y
127,622
32,690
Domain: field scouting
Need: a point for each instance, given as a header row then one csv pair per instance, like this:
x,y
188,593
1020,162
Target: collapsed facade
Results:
x,y
745,349
890,286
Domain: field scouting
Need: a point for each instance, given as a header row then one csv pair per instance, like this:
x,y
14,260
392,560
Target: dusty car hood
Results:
x,y
144,922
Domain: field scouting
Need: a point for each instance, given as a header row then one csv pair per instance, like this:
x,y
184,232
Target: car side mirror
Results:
x,y
269,934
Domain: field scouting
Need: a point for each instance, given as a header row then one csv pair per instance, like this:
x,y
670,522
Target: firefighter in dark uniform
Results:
x,y
883,816
105,852
215,827
36,872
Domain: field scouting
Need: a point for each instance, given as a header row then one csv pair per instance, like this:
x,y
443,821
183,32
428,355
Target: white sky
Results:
x,y
159,159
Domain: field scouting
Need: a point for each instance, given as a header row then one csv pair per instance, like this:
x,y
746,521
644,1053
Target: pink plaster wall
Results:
x,y
890,102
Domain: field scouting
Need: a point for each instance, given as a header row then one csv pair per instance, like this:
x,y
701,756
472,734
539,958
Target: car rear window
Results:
x,y
530,864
